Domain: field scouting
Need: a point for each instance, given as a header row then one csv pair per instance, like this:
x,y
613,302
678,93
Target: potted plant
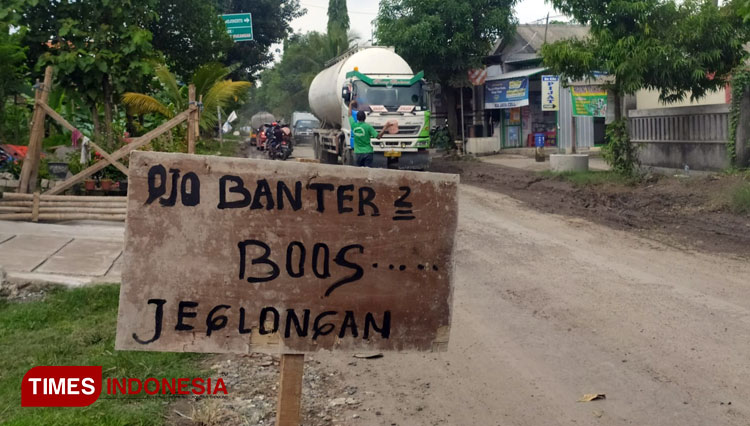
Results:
x,y
111,177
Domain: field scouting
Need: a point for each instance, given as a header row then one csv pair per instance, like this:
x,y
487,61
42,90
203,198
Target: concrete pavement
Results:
x,y
529,163
73,253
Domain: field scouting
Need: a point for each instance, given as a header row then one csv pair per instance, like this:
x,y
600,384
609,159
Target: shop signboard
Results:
x,y
589,101
510,93
550,93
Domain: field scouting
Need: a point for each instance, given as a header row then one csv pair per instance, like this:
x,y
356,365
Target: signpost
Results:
x,y
239,26
550,93
237,255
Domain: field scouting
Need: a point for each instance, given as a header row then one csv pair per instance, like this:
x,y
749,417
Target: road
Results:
x,y
548,308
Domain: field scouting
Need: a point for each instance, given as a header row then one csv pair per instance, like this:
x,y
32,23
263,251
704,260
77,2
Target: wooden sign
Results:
x,y
238,255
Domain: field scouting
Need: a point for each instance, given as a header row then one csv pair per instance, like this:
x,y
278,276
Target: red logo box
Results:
x,y
61,386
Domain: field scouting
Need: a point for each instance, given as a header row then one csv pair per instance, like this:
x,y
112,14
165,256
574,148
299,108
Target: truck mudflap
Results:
x,y
419,160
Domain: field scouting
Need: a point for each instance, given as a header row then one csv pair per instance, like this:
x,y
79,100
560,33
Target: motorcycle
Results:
x,y
279,142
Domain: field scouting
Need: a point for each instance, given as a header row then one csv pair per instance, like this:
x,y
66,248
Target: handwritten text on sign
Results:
x,y
236,255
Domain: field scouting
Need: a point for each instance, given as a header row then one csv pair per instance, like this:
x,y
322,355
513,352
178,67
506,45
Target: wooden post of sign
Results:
x,y
191,119
290,390
30,168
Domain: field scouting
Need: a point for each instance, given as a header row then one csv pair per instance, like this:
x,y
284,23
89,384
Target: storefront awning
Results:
x,y
515,74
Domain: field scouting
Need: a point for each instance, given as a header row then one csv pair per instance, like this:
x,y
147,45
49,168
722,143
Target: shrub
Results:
x,y
740,199
619,153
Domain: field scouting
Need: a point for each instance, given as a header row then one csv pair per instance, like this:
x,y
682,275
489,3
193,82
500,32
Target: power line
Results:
x,y
352,12
543,19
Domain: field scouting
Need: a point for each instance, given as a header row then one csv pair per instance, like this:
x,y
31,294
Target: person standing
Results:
x,y
363,133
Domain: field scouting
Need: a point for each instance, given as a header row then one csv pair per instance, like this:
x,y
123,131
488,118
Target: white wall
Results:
x,y
649,99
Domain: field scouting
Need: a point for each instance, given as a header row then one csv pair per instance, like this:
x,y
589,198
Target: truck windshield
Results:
x,y
390,97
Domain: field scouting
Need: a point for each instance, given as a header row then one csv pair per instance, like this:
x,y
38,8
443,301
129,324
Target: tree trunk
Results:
x,y
108,114
742,137
449,102
95,119
618,105
130,125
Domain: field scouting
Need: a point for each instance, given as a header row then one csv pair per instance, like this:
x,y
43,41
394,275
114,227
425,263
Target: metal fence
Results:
x,y
708,123
675,137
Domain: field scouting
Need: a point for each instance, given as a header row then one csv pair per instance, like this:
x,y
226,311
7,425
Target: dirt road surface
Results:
x,y
549,308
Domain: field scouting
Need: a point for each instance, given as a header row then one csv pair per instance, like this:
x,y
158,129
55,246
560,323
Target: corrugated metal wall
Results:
x,y
584,125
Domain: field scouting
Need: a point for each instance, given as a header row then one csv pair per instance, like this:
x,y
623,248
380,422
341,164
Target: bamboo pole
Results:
x,y
109,158
57,117
64,216
16,203
82,216
30,168
15,209
15,216
46,205
134,144
191,120
83,204
35,208
11,196
46,210
198,118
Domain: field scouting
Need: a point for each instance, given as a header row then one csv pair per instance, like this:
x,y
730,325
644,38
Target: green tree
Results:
x,y
444,38
338,26
99,47
338,16
12,67
690,47
271,24
284,87
210,83
189,33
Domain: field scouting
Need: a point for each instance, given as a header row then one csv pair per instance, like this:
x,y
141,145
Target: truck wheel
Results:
x,y
328,158
348,158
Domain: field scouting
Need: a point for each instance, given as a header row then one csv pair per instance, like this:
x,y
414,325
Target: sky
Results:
x,y
362,12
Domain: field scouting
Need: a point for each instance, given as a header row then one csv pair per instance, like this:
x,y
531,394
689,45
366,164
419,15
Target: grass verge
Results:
x,y
739,202
592,177
77,327
229,148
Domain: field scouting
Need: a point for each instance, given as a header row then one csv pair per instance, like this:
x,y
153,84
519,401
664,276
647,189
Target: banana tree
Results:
x,y
210,83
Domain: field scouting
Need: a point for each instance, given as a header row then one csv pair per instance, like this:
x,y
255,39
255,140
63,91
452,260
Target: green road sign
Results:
x,y
239,26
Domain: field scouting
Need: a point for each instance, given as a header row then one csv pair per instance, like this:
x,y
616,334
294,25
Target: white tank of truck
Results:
x,y
325,91
260,119
388,91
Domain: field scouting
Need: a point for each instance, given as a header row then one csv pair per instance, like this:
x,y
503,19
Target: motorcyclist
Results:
x,y
278,134
271,140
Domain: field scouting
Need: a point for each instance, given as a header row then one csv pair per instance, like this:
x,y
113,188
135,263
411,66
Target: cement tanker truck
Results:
x,y
385,87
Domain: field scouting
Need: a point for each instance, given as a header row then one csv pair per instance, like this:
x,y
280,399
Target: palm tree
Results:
x,y
210,82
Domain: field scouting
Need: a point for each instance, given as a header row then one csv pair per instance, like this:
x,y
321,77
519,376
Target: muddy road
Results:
x,y
690,213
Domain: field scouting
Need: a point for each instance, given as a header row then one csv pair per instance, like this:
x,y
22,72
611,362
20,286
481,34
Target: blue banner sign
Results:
x,y
511,93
